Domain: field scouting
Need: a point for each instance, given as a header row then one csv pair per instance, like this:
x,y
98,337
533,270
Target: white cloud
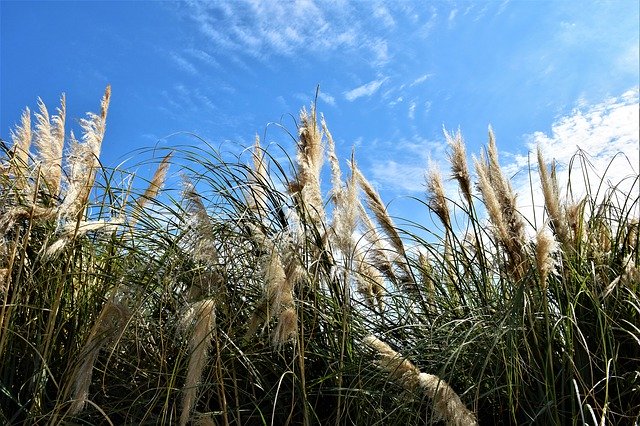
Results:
x,y
502,7
420,79
364,90
263,28
452,17
412,110
427,28
327,98
382,13
380,49
628,60
405,161
395,101
183,64
606,133
203,56
401,178
309,98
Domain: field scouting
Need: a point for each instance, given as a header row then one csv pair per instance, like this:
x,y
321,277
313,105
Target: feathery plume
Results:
x,y
152,190
507,201
345,199
378,250
574,217
447,404
280,274
156,183
336,173
277,288
202,317
73,230
426,272
204,249
495,172
84,160
436,198
504,191
27,211
203,243
490,198
257,198
49,141
108,328
380,211
501,205
4,280
309,165
552,202
546,245
458,160
280,282
19,162
369,283
286,328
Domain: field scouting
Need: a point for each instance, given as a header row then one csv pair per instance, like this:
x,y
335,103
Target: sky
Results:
x,y
563,75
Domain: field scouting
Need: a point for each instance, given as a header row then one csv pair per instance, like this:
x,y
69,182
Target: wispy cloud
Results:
x,y
267,28
183,63
396,101
420,80
203,57
327,98
412,110
404,164
382,13
263,28
427,28
308,98
380,49
401,178
364,90
629,58
452,17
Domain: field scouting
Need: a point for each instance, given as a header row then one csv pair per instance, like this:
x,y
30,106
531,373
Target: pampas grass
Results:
x,y
245,295
546,247
108,326
310,159
200,318
84,160
552,202
459,168
447,403
49,141
18,167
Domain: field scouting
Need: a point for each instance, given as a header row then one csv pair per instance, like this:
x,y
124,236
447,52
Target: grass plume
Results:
x,y
246,294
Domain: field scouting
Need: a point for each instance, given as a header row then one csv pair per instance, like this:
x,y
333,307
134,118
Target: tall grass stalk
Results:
x,y
231,289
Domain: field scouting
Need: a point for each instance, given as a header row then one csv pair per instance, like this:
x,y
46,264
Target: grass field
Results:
x,y
244,294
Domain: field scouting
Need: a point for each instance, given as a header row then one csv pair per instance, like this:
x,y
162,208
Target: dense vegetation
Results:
x,y
249,296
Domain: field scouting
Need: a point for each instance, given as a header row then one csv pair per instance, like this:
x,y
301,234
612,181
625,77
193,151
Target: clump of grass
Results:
x,y
243,293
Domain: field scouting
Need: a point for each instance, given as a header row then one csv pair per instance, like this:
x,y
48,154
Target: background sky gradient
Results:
x,y
561,74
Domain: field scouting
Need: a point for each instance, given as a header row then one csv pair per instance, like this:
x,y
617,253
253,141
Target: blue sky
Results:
x,y
391,75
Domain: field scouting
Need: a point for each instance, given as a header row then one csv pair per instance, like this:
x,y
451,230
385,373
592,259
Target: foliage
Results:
x,y
252,297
